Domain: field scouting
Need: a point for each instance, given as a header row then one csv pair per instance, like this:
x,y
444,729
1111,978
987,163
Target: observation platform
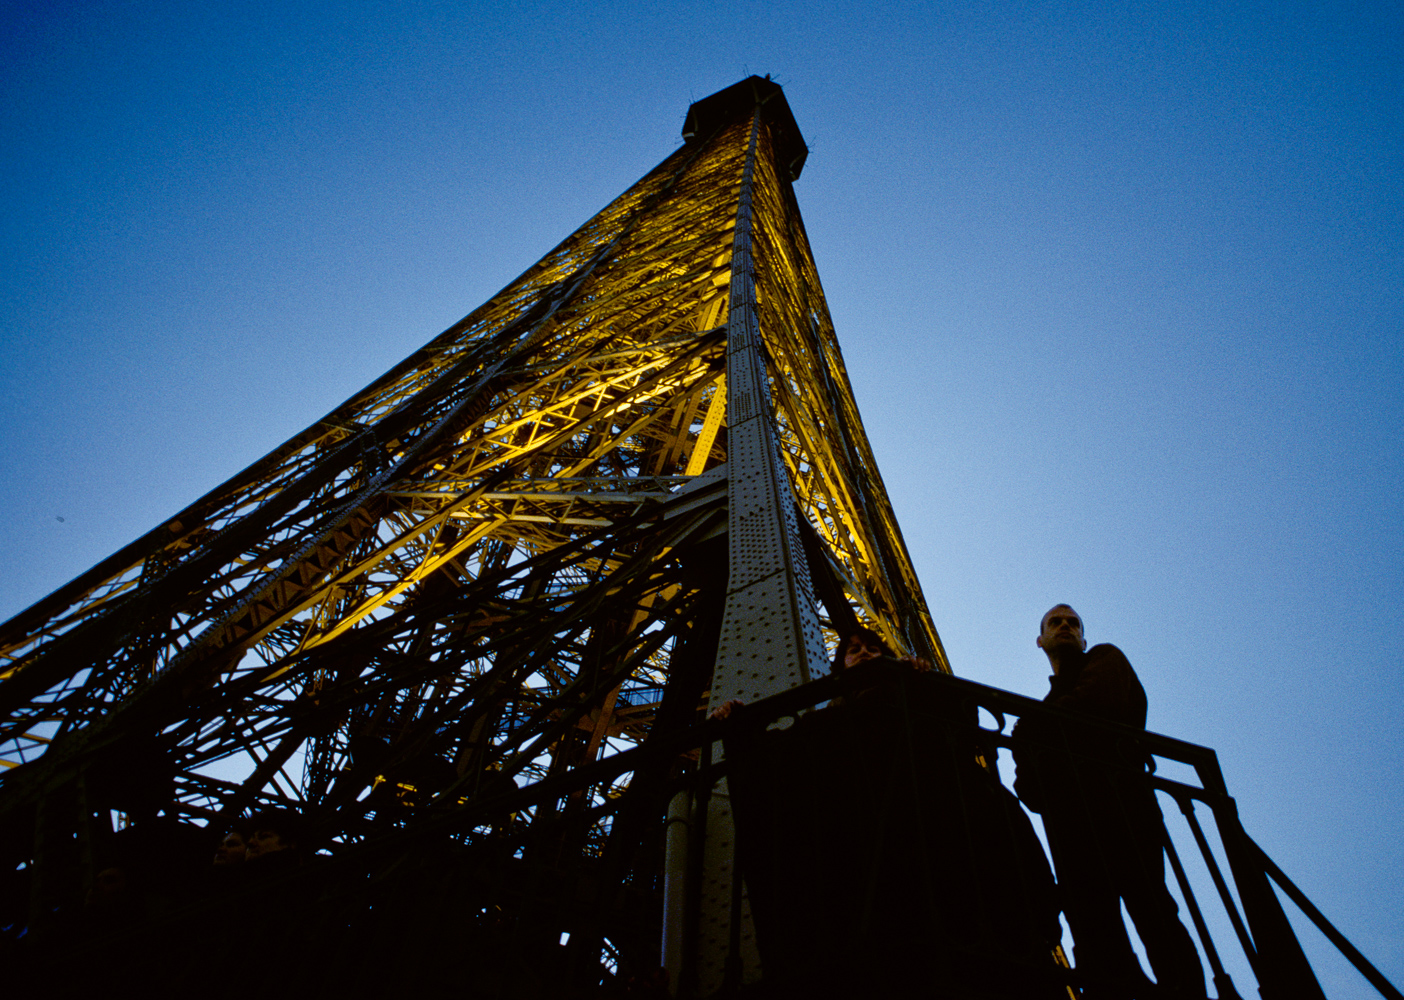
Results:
x,y
880,848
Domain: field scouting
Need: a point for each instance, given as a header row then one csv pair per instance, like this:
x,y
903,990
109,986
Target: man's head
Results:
x,y
1061,632
862,645
272,831
231,849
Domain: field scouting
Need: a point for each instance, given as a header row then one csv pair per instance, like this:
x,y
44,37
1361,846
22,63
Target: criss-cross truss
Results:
x,y
502,560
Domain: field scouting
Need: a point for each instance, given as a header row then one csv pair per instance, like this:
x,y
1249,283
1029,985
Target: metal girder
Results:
x,y
770,635
500,561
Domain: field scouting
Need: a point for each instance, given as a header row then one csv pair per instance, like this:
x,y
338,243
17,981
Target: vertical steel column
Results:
x,y
770,637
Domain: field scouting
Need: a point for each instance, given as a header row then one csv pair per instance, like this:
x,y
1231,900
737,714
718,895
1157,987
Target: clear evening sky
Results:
x,y
1118,286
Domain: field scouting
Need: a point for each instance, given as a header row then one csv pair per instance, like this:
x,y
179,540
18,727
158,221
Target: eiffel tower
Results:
x,y
631,485
469,628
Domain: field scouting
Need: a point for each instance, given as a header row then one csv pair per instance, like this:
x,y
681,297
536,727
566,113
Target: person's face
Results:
x,y
230,850
860,650
1062,630
263,842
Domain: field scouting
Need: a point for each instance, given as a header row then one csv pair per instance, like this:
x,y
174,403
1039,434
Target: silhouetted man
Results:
x,y
1104,827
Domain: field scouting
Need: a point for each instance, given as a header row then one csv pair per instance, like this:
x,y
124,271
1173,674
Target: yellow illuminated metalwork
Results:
x,y
283,614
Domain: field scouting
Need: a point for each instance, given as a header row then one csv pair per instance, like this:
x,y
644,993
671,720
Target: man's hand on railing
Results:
x,y
724,710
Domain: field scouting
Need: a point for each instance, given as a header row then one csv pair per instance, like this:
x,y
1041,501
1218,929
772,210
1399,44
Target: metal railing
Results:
x,y
1230,888
1236,880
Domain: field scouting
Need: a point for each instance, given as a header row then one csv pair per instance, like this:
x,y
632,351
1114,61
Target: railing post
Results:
x,y
1282,968
1222,981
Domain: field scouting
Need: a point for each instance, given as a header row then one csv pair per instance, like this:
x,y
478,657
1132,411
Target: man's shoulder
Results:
x,y
1106,651
1106,659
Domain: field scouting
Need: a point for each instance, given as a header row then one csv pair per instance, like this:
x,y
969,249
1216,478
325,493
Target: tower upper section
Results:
x,y
738,101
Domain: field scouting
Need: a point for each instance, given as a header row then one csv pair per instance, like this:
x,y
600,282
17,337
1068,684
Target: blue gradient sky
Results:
x,y
1119,289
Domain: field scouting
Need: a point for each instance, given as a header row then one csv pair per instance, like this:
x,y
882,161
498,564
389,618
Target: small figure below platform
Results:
x,y
862,645
880,851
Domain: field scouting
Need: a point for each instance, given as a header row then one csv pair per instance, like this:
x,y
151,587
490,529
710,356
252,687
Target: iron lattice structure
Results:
x,y
468,626
513,555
